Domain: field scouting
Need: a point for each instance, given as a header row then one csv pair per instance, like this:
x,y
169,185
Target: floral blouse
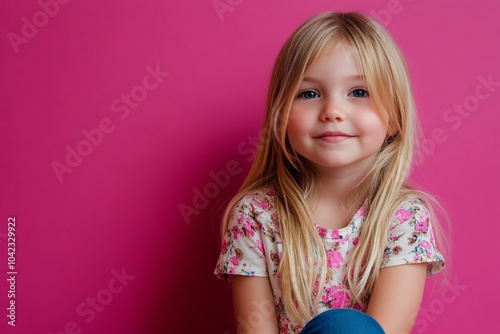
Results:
x,y
252,246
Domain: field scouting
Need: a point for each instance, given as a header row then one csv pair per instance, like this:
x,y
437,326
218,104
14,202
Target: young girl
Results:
x,y
325,220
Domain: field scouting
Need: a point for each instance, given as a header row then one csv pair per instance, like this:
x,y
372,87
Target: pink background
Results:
x,y
118,210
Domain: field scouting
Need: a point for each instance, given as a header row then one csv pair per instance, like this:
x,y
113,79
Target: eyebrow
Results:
x,y
349,78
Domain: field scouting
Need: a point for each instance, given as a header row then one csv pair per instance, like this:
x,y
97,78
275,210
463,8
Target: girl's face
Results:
x,y
332,122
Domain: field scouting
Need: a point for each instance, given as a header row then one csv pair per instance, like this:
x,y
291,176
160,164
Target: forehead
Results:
x,y
338,60
342,47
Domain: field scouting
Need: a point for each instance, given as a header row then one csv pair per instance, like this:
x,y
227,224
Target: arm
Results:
x,y
396,297
253,304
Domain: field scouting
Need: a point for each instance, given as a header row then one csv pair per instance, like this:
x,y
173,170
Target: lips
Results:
x,y
333,136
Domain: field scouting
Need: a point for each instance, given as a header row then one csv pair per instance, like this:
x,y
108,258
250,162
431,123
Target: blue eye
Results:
x,y
308,94
359,93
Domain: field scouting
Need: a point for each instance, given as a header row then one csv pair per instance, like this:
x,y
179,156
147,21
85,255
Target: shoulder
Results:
x,y
257,203
256,211
260,195
251,241
411,236
411,201
409,208
411,216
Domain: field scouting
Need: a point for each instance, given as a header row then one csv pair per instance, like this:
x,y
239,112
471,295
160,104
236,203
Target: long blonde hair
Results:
x,y
276,164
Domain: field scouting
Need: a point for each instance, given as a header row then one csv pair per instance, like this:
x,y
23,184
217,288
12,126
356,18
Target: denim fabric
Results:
x,y
342,321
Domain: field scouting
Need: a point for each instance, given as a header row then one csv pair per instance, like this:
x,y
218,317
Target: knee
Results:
x,y
342,321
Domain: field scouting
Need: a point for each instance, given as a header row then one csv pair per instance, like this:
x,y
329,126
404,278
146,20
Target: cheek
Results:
x,y
295,119
297,128
295,113
374,127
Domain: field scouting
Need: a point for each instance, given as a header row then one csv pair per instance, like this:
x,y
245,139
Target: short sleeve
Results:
x,y
249,244
411,238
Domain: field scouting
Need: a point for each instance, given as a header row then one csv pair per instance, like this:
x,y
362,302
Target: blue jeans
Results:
x,y
342,321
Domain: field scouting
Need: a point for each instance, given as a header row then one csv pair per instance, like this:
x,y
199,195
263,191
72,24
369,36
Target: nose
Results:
x,y
332,112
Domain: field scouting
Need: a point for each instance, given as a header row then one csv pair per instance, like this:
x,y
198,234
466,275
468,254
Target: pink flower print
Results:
x,y
264,205
260,246
223,247
274,216
236,233
422,225
425,244
394,237
248,228
403,215
344,240
355,241
336,296
335,259
326,296
340,297
362,211
234,260
270,192
335,234
322,232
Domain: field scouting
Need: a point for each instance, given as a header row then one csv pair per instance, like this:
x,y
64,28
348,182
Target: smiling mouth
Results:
x,y
333,137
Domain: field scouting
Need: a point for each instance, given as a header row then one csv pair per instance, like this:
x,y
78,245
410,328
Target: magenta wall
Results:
x,y
115,116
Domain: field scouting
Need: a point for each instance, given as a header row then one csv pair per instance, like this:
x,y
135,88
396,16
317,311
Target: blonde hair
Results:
x,y
276,164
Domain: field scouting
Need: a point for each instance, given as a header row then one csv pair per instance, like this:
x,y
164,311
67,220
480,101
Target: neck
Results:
x,y
335,184
329,205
